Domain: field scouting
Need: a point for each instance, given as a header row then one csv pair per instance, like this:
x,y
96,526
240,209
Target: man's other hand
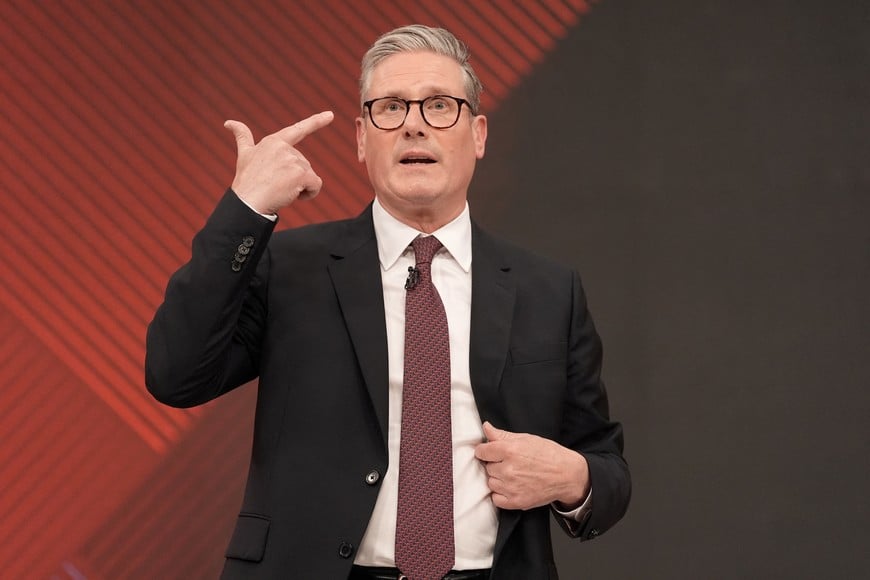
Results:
x,y
526,471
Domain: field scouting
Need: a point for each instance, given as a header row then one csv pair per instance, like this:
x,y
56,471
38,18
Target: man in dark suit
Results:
x,y
318,313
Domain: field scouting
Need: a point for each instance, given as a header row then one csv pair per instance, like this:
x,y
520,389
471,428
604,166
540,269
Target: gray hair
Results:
x,y
417,37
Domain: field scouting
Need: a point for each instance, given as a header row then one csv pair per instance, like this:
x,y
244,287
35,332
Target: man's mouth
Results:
x,y
416,160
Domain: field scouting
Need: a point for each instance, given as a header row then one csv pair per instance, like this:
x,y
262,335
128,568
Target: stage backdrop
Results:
x,y
703,164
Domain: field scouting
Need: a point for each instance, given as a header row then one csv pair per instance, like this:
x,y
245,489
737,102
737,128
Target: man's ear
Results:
x,y
361,139
478,129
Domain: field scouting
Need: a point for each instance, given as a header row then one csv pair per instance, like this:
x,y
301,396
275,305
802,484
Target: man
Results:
x,y
485,394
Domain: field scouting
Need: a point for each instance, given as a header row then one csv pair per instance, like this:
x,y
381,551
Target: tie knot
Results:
x,y
425,248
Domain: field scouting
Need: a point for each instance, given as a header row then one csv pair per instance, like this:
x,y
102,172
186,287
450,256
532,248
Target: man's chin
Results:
x,y
420,192
413,202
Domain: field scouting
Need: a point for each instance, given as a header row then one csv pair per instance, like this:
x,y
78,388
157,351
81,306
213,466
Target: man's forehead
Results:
x,y
417,71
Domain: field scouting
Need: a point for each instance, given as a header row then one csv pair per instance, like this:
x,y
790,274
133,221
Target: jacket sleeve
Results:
x,y
587,427
205,338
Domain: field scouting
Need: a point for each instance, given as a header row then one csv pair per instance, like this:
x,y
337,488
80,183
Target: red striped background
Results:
x,y
114,153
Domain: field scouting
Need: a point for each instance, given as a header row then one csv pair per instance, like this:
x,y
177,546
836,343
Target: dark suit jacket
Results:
x,y
303,310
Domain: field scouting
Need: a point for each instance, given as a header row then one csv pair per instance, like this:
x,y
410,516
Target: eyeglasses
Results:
x,y
439,111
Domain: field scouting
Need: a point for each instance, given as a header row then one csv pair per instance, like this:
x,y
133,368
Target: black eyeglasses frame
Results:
x,y
367,105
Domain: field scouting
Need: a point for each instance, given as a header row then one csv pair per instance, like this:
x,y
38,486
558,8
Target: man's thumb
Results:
x,y
243,135
493,433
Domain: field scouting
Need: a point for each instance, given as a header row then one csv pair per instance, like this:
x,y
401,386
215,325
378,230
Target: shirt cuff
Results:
x,y
269,216
577,514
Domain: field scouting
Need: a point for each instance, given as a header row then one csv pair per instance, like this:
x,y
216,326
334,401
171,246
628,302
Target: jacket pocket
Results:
x,y
249,538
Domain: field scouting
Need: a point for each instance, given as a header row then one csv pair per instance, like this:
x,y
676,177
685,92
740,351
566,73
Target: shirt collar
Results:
x,y
394,237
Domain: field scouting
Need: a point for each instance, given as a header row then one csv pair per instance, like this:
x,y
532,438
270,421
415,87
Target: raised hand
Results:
x,y
272,174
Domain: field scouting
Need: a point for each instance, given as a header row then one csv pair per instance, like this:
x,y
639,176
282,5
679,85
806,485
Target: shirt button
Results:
x,y
372,477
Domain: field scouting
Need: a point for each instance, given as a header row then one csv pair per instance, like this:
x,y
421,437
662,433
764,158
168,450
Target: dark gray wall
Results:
x,y
705,165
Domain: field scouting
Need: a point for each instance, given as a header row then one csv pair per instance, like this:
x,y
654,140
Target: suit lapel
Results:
x,y
356,277
493,293
492,304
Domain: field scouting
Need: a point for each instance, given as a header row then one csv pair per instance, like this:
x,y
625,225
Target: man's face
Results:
x,y
418,170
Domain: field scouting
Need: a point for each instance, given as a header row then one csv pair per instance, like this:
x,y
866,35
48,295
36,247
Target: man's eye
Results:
x,y
394,107
437,105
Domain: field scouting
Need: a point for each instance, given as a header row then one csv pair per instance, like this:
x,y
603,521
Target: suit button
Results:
x,y
372,477
237,267
248,241
243,249
345,550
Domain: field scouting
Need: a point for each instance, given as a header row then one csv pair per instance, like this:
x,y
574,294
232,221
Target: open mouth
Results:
x,y
416,160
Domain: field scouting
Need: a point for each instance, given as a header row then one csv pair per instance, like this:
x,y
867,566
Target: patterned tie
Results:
x,y
424,522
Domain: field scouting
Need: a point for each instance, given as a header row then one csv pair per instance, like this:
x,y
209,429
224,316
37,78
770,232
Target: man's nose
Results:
x,y
414,122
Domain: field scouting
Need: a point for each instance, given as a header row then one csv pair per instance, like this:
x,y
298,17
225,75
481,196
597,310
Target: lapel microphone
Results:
x,y
413,278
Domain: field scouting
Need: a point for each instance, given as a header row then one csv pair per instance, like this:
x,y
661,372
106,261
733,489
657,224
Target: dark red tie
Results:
x,y
424,522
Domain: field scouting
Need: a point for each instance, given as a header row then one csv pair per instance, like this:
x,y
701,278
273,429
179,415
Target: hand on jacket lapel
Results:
x,y
526,471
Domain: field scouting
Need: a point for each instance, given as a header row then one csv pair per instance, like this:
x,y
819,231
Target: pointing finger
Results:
x,y
243,135
297,132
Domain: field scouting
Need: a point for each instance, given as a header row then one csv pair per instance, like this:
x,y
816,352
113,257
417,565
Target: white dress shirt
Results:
x,y
475,516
